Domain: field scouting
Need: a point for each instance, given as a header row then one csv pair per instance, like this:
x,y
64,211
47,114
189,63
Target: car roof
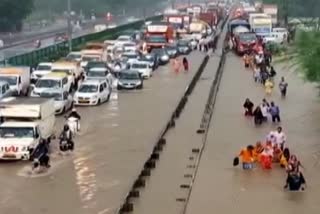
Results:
x,y
55,75
45,63
53,90
129,71
98,69
93,82
139,61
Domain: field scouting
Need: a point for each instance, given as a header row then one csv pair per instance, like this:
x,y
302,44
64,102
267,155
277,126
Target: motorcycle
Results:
x,y
66,145
40,164
74,125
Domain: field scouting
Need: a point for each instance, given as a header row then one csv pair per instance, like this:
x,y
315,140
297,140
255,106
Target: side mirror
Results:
x,y
37,135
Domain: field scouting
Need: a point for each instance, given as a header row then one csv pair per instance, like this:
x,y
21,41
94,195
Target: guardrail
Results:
x,y
61,49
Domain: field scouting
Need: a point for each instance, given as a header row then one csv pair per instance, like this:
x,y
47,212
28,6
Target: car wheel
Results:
x,y
108,98
99,102
119,87
63,110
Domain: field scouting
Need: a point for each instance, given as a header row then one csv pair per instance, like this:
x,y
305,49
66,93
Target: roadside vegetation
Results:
x,y
305,51
14,12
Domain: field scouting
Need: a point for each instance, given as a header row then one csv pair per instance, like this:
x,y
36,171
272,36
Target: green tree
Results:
x,y
13,12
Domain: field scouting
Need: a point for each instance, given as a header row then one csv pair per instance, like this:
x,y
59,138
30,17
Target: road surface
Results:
x,y
223,189
116,139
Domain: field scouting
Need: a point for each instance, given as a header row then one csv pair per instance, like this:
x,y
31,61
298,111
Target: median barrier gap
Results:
x,y
151,163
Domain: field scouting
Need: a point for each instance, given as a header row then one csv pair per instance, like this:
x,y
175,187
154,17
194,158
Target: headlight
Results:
x,y
95,97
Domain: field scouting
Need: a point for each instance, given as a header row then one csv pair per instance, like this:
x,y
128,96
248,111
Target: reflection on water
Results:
x,y
86,179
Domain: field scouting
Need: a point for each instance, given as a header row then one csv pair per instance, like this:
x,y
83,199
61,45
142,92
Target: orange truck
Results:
x,y
158,35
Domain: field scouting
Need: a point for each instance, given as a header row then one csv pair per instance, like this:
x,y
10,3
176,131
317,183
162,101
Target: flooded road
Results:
x,y
224,189
114,142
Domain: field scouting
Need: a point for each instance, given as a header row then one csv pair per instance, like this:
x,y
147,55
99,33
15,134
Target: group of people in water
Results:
x,y
263,71
273,149
261,112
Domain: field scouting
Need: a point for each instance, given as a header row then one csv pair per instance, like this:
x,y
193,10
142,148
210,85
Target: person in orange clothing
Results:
x,y
277,153
258,149
267,156
247,157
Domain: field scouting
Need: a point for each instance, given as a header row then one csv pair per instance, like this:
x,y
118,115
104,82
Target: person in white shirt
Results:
x,y
264,110
280,137
271,137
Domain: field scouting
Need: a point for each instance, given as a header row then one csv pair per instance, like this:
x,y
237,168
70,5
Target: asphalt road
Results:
x,y
115,140
221,188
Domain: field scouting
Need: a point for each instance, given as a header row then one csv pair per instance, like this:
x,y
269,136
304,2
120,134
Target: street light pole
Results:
x,y
69,26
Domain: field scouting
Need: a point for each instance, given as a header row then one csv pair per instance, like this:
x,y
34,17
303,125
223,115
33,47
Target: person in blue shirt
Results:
x,y
275,112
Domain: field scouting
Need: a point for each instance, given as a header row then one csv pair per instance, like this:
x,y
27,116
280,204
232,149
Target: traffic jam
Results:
x,y
32,98
252,26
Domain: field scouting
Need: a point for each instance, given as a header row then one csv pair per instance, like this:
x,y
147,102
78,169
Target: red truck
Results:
x,y
209,17
158,35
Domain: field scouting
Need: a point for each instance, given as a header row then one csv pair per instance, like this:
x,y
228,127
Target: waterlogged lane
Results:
x,y
225,189
115,141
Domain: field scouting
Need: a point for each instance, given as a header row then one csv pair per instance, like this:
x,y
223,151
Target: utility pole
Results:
x,y
69,26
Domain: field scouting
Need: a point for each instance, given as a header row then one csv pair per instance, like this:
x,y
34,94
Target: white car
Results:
x,y
130,56
62,100
52,81
42,69
143,67
123,39
74,56
100,74
1,43
130,47
92,92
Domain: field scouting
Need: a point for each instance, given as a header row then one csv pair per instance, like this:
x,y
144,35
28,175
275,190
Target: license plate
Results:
x,y
7,155
84,101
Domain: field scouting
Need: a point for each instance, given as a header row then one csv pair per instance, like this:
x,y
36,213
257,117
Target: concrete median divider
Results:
x,y
155,156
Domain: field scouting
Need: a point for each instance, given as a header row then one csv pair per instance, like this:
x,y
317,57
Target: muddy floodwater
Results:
x,y
115,140
117,137
225,189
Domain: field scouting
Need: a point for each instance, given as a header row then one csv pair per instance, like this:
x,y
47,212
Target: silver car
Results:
x,y
129,79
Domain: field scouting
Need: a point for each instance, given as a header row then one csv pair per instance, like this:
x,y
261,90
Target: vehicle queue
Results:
x,y
83,78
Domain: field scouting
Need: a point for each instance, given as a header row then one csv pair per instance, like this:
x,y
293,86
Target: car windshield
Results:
x,y
42,83
183,43
55,95
129,75
16,132
89,58
96,74
74,56
85,88
43,68
96,65
123,39
171,48
159,51
66,71
129,45
156,39
247,37
9,79
130,56
139,66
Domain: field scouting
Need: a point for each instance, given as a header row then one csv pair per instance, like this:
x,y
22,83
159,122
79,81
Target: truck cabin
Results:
x,y
11,76
236,23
